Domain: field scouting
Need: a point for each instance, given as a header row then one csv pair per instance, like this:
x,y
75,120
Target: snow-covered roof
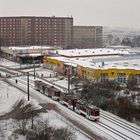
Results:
x,y
92,52
87,62
120,47
27,50
29,47
31,54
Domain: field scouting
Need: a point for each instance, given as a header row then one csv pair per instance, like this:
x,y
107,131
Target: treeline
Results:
x,y
126,41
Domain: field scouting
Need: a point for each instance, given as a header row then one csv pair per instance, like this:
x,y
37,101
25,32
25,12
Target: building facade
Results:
x,y
87,37
54,31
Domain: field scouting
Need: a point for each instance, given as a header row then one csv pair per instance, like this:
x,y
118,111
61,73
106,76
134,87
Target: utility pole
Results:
x,y
69,72
20,62
28,86
0,48
34,69
68,83
34,61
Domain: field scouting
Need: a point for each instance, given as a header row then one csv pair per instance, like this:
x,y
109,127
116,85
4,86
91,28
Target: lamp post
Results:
x,y
20,62
0,48
34,61
68,84
34,69
28,86
69,72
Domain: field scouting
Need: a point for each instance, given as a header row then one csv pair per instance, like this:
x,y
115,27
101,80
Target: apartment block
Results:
x,y
54,31
87,37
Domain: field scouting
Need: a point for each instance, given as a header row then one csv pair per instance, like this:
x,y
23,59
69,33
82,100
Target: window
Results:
x,y
104,77
121,77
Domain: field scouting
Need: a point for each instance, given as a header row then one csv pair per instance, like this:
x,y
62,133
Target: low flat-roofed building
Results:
x,y
25,54
99,67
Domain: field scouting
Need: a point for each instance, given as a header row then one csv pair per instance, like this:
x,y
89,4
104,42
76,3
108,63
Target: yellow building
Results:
x,y
99,71
100,64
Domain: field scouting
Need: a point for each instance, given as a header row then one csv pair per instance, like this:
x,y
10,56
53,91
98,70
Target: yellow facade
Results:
x,y
92,73
112,73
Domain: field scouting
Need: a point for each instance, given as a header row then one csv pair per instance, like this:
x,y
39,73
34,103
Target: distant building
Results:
x,y
54,31
98,36
87,37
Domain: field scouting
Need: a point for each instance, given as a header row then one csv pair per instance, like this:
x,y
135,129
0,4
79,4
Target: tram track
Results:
x,y
14,72
122,124
111,129
7,72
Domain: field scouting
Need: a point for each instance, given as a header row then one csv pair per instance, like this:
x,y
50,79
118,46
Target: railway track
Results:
x,y
8,68
14,72
44,80
49,82
7,72
121,123
111,129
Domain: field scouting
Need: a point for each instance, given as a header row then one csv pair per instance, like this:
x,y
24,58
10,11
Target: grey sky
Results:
x,y
124,13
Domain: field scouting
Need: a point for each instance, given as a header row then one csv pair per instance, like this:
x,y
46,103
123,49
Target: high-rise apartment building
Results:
x,y
98,36
87,36
54,31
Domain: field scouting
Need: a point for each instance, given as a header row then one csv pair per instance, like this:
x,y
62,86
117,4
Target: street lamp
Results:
x,y
34,66
34,69
28,86
69,73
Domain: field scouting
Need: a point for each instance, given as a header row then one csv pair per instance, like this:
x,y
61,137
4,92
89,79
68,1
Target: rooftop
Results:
x,y
29,47
130,60
120,64
71,53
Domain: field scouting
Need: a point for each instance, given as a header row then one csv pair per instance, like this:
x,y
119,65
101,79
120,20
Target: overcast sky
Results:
x,y
124,13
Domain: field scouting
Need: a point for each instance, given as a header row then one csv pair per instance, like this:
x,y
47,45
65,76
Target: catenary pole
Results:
x,y
28,86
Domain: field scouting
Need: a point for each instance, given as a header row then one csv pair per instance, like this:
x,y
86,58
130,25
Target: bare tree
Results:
x,y
131,82
64,134
44,132
1,132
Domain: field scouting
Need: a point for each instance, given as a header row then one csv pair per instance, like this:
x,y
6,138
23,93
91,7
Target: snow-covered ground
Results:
x,y
9,96
8,63
55,118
